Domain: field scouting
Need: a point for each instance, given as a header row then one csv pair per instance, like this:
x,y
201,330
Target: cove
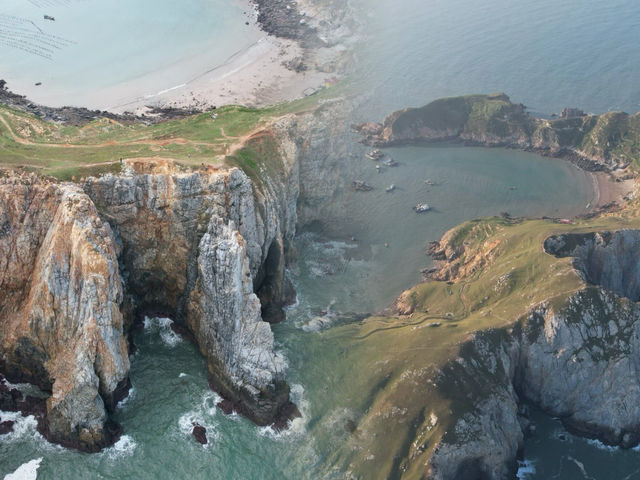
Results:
x,y
102,54
335,277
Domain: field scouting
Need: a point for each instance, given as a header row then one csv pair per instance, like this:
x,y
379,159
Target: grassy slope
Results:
x,y
69,152
397,401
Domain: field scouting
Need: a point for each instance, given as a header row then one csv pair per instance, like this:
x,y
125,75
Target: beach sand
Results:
x,y
255,76
607,189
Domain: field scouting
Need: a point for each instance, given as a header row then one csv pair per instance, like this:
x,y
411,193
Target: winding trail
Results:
x,y
228,144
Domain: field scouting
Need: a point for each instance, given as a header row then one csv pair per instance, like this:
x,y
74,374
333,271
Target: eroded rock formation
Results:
x,y
61,326
186,244
577,360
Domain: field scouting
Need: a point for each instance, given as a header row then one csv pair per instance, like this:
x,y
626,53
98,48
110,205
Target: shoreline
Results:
x,y
284,64
609,190
255,76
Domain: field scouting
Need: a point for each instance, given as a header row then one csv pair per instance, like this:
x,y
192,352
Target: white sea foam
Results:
x,y
163,327
298,426
203,414
27,471
526,469
182,375
122,448
125,400
23,427
601,446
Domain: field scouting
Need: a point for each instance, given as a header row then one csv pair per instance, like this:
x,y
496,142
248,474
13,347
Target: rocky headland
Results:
x,y
84,262
603,142
514,313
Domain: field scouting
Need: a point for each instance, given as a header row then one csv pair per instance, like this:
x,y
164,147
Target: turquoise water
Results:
x,y
335,277
102,53
545,54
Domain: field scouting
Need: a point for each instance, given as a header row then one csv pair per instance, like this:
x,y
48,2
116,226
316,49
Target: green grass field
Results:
x,y
70,152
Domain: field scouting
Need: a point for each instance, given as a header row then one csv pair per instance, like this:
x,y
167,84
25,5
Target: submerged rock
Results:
x,y
200,434
6,426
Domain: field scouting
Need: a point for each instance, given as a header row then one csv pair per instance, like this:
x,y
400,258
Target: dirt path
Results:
x,y
175,141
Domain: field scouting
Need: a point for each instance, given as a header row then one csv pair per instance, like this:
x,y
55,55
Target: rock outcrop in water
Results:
x,y
594,142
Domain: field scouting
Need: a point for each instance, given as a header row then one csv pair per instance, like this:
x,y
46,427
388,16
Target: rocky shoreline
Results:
x,y
494,121
79,116
205,247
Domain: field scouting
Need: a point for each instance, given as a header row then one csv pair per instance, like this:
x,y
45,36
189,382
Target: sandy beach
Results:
x,y
607,189
255,76
233,59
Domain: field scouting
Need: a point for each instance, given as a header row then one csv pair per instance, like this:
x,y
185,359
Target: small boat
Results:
x,y
430,182
361,186
390,162
49,17
422,207
390,188
374,155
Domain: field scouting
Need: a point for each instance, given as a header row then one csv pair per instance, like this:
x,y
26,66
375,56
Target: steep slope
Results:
x,y
192,244
61,327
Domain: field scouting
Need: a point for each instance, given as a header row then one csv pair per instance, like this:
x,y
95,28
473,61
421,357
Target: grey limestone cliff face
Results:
x,y
579,361
61,327
225,317
603,258
485,440
582,364
320,143
196,246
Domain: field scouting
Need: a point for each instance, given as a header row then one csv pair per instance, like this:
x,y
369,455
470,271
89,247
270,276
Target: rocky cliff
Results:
x,y
81,263
594,142
576,359
195,247
61,325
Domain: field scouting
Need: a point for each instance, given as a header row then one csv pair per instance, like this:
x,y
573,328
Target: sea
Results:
x,y
545,54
